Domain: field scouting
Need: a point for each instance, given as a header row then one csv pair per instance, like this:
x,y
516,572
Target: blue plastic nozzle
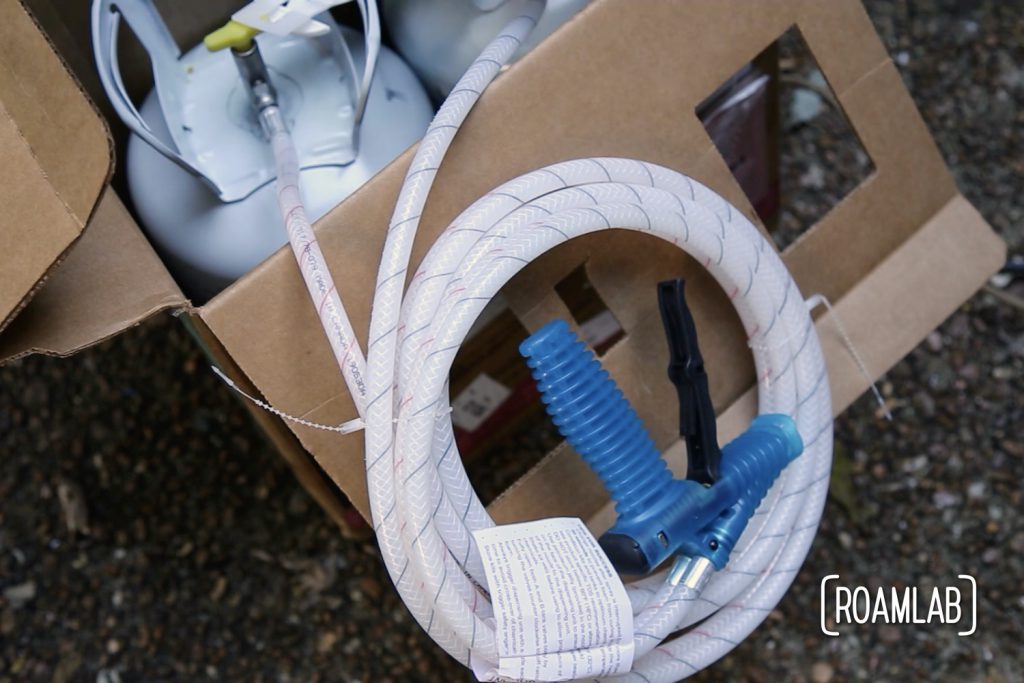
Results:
x,y
658,515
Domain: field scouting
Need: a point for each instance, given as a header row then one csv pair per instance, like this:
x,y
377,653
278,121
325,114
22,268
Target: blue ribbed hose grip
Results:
x,y
595,418
750,465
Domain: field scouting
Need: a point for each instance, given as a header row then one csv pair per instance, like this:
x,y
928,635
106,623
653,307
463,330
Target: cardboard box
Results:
x,y
895,257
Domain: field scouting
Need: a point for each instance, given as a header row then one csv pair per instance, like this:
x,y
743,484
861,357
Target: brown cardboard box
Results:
x,y
896,257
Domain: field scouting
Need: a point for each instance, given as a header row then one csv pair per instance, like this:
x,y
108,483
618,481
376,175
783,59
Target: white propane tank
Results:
x,y
210,209
441,38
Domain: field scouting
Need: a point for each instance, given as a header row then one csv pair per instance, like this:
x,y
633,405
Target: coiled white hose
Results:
x,y
424,508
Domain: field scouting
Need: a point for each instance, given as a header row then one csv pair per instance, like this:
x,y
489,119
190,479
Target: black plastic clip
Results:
x,y
686,371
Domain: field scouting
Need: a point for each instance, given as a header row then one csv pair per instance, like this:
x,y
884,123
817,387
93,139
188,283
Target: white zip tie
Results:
x,y
813,302
353,425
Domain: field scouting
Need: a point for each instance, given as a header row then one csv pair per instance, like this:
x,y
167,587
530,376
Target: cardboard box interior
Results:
x,y
896,256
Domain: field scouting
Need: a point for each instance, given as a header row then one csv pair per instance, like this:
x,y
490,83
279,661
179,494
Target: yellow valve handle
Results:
x,y
233,34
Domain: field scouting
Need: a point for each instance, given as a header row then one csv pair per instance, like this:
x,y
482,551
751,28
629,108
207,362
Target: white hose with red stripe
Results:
x,y
315,273
424,508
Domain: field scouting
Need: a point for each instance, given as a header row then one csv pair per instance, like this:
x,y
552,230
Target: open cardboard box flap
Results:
x,y
58,158
896,256
111,280
55,158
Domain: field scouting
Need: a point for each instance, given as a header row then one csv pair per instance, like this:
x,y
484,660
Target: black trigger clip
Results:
x,y
686,371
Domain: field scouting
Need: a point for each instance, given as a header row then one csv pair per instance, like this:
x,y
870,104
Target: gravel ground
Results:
x,y
149,533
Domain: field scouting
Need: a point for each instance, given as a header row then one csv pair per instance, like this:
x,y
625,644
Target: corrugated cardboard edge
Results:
x,y
24,37
112,280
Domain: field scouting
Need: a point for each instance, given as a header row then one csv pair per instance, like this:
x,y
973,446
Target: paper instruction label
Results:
x,y
561,612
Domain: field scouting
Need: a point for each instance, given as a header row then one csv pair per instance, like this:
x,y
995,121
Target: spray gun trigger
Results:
x,y
686,371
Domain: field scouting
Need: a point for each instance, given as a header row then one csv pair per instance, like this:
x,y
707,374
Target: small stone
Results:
x,y
845,540
976,490
66,668
1002,373
19,595
108,676
113,646
938,374
813,177
822,672
326,642
915,464
371,587
72,506
1014,448
924,402
990,556
352,646
298,503
889,634
970,372
7,622
220,586
945,499
934,341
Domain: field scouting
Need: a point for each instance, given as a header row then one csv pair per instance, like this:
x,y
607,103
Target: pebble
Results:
x,y
19,595
220,586
1017,542
939,374
924,402
325,643
1003,373
108,676
945,499
890,634
915,464
970,372
822,672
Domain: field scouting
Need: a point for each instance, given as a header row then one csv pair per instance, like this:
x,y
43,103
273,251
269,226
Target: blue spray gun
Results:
x,y
658,515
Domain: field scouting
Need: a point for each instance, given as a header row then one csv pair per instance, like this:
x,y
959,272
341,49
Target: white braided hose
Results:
x,y
424,508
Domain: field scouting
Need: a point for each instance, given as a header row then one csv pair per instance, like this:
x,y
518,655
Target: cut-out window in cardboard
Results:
x,y
780,127
598,326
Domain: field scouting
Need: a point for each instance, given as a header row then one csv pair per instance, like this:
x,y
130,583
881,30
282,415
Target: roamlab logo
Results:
x,y
953,604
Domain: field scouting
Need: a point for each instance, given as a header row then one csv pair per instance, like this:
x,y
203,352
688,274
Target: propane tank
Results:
x,y
200,170
441,38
